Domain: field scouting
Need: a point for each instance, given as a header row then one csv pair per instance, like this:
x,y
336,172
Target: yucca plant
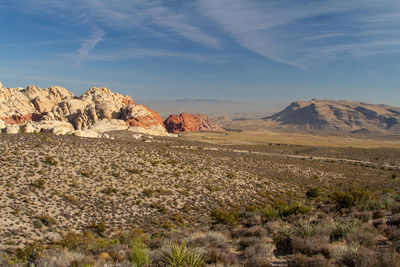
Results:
x,y
181,256
194,259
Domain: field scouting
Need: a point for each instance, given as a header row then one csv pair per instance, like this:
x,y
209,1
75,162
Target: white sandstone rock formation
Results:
x,y
56,110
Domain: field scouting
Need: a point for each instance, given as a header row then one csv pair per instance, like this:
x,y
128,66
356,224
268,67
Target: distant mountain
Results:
x,y
343,116
212,108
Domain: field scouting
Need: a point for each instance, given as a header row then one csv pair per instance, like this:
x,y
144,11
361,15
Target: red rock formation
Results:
x,y
150,118
127,101
21,119
189,123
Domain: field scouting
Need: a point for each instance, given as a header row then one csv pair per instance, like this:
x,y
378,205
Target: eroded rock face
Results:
x,y
190,122
56,110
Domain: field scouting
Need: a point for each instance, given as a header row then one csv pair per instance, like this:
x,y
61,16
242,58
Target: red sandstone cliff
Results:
x,y
189,123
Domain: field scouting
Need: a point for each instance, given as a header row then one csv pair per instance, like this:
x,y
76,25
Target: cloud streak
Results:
x,y
89,44
308,32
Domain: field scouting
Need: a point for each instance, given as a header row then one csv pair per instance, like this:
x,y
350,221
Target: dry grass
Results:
x,y
262,137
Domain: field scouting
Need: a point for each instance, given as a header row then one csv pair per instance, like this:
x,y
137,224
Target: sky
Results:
x,y
259,51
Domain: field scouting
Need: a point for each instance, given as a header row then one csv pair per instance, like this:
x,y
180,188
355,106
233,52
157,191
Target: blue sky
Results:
x,y
254,51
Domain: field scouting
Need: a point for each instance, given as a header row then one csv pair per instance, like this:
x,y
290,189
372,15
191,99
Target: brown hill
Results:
x,y
343,116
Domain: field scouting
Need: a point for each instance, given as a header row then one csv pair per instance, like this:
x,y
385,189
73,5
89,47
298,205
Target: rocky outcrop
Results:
x,y
56,110
343,116
189,123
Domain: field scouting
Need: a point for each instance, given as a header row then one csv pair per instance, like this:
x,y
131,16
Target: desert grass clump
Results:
x,y
39,183
47,220
109,191
340,230
50,160
360,238
98,228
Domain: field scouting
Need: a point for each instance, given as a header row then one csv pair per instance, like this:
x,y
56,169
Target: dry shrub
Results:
x,y
364,239
395,220
368,258
246,242
208,239
283,241
256,231
311,246
216,255
363,216
253,221
155,243
257,261
396,209
259,254
378,214
63,257
392,233
300,260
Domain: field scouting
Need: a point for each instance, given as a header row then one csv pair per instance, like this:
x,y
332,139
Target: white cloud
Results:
x,y
89,44
302,33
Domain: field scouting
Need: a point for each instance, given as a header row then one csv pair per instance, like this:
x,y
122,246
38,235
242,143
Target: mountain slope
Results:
x,y
344,116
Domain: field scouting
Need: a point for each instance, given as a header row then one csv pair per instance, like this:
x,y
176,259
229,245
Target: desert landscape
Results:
x,y
206,133
202,195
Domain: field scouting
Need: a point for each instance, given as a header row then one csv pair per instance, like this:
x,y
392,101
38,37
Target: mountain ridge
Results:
x,y
338,115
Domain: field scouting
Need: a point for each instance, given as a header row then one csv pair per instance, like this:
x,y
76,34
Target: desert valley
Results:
x,y
99,180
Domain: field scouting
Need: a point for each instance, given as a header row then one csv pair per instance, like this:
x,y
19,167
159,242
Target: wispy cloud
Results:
x,y
89,44
130,16
296,33
301,33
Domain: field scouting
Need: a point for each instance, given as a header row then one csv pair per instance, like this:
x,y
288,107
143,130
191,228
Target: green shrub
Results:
x,y
313,192
226,216
343,199
269,213
285,210
295,208
139,254
350,198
